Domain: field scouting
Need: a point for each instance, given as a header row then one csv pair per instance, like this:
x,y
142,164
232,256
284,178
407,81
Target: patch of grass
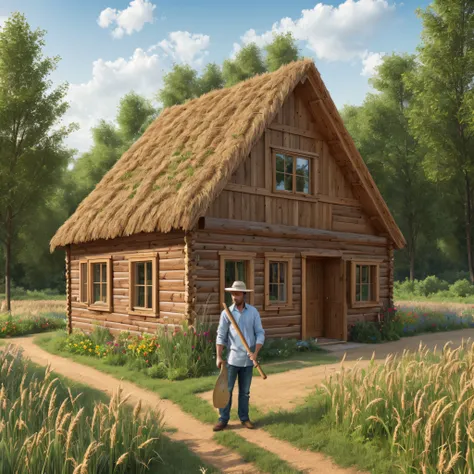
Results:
x,y
127,175
265,461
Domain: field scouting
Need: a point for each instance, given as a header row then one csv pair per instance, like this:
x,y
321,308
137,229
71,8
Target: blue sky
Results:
x,y
108,47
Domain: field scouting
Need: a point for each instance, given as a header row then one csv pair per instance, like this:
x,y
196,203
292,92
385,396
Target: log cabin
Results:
x,y
259,182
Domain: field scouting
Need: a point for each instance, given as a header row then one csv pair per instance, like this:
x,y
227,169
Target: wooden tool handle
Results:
x,y
242,338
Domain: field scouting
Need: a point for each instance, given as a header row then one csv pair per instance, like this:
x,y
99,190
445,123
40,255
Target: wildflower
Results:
x,y
184,334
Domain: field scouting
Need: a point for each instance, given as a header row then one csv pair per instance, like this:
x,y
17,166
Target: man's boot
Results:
x,y
220,426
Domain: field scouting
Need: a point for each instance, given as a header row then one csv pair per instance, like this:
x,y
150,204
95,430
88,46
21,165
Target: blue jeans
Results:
x,y
245,379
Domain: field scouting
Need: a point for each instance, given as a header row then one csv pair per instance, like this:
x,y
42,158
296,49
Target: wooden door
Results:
x,y
334,299
314,298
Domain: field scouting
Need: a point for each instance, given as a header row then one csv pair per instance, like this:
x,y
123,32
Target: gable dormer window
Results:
x,y
292,173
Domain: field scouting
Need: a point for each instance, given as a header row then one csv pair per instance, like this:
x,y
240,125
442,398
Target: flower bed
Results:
x,y
175,354
11,326
394,324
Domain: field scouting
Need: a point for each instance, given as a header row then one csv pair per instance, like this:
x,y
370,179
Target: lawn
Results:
x,y
52,424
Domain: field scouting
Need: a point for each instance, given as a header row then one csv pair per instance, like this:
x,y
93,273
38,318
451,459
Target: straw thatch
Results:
x,y
168,178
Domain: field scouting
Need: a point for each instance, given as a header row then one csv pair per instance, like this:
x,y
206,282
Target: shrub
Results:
x,y
430,285
365,331
279,348
406,287
462,288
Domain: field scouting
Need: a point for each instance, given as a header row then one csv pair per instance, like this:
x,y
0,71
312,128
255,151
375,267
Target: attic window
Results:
x,y
292,173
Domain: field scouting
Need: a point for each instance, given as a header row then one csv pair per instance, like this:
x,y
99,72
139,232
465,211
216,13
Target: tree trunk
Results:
x,y
468,227
8,255
412,262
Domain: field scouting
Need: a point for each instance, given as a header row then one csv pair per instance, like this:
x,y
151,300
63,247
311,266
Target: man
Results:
x,y
239,363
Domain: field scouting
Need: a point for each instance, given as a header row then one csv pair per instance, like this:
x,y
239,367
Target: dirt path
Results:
x,y
197,435
289,389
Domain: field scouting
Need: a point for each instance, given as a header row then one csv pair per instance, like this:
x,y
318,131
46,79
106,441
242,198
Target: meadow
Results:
x,y
418,407
49,424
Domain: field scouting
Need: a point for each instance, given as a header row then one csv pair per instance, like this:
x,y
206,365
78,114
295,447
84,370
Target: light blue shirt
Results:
x,y
250,325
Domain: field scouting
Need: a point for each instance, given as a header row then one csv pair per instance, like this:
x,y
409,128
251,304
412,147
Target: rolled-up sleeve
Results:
x,y
222,337
258,328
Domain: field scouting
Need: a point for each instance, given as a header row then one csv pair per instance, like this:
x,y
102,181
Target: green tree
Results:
x,y
32,155
110,141
180,85
282,50
134,114
442,110
395,158
247,63
211,79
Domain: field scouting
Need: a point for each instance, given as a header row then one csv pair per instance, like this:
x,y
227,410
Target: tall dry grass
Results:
x,y
422,404
37,307
45,429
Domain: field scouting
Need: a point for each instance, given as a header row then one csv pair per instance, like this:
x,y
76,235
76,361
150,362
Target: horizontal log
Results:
x,y
248,243
237,227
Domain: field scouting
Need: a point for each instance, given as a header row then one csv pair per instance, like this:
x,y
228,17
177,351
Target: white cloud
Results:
x,y
369,62
332,33
111,80
143,72
131,19
185,47
3,19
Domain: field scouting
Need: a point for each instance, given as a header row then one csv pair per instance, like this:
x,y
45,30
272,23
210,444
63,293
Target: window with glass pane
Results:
x,y
143,284
83,291
292,173
277,282
364,283
234,270
99,282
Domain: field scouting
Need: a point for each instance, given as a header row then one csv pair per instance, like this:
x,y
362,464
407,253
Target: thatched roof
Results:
x,y
171,174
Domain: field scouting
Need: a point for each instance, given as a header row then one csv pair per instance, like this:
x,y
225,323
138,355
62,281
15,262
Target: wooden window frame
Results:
x,y
108,306
374,268
133,310
280,258
294,154
237,256
83,300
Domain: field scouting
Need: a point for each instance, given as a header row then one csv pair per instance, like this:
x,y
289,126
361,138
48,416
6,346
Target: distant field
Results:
x,y
438,306
37,307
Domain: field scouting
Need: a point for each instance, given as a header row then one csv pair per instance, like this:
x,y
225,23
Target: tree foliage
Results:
x,y
442,111
282,50
32,155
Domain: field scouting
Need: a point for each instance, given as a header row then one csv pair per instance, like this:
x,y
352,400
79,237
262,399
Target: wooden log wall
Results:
x,y
171,282
285,322
249,195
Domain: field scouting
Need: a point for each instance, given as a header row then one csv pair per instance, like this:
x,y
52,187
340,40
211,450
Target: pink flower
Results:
x,y
184,334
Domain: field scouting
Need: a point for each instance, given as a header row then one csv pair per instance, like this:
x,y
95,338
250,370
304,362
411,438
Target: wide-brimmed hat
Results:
x,y
238,286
